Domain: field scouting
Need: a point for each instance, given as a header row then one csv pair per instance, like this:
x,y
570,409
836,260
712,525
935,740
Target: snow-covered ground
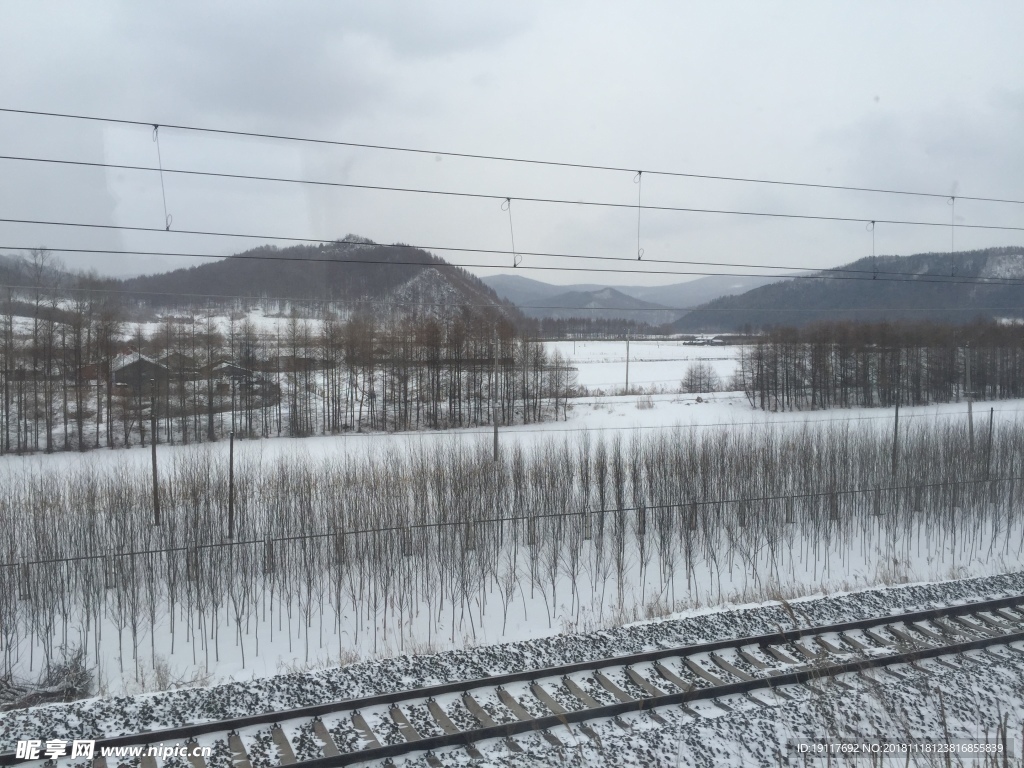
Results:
x,y
655,365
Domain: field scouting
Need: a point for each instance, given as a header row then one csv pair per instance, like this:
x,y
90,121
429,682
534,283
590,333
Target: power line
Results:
x,y
501,158
824,275
502,197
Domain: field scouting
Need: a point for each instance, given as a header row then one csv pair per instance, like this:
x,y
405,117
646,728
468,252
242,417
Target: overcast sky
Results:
x,y
914,95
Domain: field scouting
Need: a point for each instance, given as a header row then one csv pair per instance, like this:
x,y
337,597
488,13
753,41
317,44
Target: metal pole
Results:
x,y
988,450
895,440
494,399
231,485
970,398
152,442
896,430
627,367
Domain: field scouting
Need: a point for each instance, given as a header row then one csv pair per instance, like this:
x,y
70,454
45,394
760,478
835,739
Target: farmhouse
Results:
x,y
138,371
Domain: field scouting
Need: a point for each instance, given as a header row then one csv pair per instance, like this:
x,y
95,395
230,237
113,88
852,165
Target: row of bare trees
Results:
x,y
847,364
77,375
437,540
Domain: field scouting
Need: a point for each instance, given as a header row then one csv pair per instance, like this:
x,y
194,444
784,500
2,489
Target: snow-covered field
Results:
x,y
655,365
321,643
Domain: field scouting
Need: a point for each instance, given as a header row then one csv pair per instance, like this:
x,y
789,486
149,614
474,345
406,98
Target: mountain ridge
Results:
x,y
924,286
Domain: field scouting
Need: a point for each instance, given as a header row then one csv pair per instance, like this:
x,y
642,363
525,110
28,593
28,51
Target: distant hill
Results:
x,y
354,271
925,292
602,303
533,295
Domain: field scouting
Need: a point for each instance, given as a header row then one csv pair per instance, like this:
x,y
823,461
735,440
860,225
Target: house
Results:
x,y
138,374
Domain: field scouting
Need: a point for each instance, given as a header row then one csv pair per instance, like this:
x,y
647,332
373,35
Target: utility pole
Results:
x,y
494,399
988,450
896,441
231,485
627,366
152,442
970,397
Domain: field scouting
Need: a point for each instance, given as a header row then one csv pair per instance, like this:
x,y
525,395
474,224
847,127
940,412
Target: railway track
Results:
x,y
764,669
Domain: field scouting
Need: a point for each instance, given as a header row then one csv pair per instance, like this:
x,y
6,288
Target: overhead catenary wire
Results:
x,y
502,197
498,158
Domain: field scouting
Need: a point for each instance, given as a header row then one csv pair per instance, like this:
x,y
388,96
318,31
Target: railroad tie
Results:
x,y
835,682
921,670
672,677
513,705
656,717
804,651
643,683
985,630
99,762
472,751
749,695
907,638
546,699
857,645
951,630
588,701
477,711
754,661
779,655
780,694
831,648
365,731
553,740
991,623
591,734
732,669
404,726
441,718
285,753
147,761
196,761
977,629
698,670
1011,617
612,688
239,757
513,746
877,638
1014,611
330,749
921,629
